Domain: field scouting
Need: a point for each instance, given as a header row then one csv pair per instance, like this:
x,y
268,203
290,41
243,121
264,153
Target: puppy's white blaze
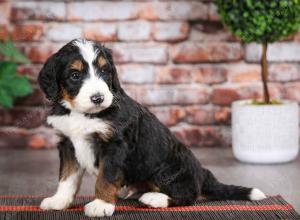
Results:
x,y
65,193
88,53
99,208
87,50
92,85
155,199
256,194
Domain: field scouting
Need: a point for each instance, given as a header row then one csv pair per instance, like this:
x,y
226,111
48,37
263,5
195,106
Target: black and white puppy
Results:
x,y
108,134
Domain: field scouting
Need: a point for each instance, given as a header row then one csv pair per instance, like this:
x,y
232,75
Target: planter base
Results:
x,y
267,157
265,133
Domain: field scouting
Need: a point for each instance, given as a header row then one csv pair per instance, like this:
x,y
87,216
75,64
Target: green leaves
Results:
x,y
10,52
260,20
12,85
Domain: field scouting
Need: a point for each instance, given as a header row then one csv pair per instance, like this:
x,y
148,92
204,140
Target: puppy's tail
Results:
x,y
213,188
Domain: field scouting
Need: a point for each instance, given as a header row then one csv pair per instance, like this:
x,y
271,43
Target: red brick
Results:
x,y
203,136
165,95
243,73
173,75
140,53
100,31
34,99
4,33
168,115
133,73
255,91
183,10
208,33
132,90
209,52
200,115
23,117
225,95
222,115
30,70
40,53
170,31
213,14
209,74
297,36
292,91
27,32
94,11
5,8
134,31
23,10
11,137
284,72
43,137
63,31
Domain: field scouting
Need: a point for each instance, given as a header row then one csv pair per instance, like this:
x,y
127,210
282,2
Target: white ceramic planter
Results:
x,y
265,133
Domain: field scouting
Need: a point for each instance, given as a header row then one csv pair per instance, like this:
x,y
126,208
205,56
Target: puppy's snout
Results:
x,y
97,98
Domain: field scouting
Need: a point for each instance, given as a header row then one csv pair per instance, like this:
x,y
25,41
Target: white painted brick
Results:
x,y
134,30
102,10
138,74
63,32
277,52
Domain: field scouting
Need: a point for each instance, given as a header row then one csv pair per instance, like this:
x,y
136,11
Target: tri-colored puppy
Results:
x,y
105,132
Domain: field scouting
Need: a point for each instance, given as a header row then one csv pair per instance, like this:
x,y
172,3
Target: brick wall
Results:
x,y
173,56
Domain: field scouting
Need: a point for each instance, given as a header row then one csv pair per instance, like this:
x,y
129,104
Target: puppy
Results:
x,y
106,133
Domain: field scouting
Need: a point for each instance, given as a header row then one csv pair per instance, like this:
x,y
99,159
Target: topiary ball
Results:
x,y
260,20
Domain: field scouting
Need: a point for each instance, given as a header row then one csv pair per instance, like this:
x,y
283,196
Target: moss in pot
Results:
x,y
263,131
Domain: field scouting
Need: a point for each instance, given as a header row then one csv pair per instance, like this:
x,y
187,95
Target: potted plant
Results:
x,y
12,85
263,131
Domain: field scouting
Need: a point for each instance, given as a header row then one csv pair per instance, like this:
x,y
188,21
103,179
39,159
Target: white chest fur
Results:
x,y
77,127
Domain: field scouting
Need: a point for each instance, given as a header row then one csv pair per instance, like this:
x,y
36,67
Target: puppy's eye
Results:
x,y
75,76
102,71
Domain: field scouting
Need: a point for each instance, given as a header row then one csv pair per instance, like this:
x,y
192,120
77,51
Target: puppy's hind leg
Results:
x,y
155,200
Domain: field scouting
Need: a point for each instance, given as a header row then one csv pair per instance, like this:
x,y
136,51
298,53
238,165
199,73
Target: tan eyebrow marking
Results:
x,y
77,65
101,61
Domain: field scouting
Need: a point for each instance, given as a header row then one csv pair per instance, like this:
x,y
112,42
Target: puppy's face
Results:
x,y
81,76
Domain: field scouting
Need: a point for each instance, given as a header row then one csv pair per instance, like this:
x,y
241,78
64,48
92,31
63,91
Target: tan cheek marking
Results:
x,y
67,97
101,61
77,65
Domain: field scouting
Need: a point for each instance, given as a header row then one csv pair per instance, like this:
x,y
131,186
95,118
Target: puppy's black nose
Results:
x,y
97,98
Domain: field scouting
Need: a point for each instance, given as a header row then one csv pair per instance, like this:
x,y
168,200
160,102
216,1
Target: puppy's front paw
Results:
x,y
99,208
55,203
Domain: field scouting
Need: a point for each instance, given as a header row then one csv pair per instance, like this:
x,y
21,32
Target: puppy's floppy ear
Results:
x,y
115,80
48,77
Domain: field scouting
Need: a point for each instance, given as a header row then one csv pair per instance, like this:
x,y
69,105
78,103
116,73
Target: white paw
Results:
x,y
56,203
155,199
99,208
256,194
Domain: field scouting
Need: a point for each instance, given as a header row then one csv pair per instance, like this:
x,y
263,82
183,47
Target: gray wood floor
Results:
x,y
34,172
